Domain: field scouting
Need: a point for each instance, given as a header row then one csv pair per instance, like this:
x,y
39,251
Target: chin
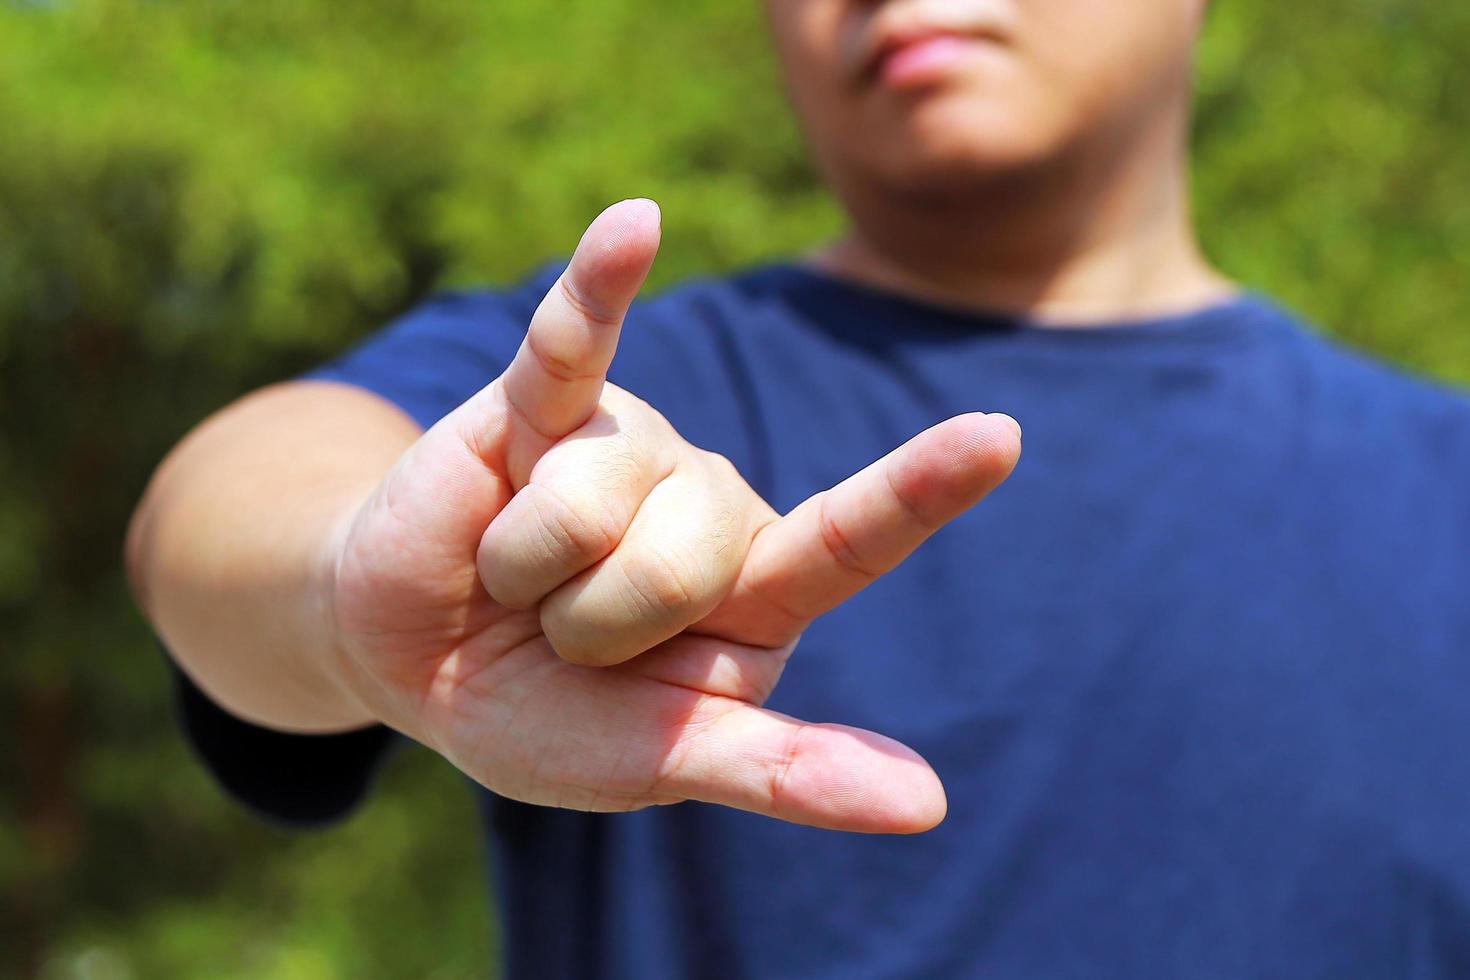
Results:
x,y
951,142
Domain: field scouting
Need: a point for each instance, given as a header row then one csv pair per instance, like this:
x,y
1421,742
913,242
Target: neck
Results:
x,y
1100,236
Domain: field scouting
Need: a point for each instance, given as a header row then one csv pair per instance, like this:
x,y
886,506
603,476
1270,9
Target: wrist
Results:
x,y
343,677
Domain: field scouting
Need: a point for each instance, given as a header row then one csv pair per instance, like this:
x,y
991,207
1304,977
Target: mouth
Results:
x,y
922,56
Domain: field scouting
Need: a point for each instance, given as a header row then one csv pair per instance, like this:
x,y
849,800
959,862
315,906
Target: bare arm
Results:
x,y
229,552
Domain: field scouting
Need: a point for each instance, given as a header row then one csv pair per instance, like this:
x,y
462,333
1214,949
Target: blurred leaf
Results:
x,y
196,198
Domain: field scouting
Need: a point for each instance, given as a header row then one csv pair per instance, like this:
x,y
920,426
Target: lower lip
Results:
x,y
927,61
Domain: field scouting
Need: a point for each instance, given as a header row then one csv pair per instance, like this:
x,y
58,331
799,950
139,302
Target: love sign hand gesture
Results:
x,y
579,608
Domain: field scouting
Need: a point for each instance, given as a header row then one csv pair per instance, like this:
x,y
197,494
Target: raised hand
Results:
x,y
578,608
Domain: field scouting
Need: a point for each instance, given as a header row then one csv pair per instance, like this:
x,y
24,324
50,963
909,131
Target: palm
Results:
x,y
484,684
553,692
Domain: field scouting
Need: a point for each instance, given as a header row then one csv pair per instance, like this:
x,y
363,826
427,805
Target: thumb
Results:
x,y
828,776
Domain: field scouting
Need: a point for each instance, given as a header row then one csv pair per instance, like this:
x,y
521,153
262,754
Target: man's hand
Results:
x,y
578,608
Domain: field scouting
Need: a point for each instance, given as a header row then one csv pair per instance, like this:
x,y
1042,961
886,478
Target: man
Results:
x,y
1193,679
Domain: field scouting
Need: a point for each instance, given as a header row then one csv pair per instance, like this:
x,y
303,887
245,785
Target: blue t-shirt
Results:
x,y
1197,678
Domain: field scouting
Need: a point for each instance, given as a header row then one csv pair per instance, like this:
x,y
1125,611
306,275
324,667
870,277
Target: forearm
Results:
x,y
231,550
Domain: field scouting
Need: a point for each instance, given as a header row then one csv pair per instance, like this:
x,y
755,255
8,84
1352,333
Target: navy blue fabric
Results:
x,y
1197,678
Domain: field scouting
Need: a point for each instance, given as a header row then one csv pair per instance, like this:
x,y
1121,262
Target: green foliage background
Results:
x,y
199,197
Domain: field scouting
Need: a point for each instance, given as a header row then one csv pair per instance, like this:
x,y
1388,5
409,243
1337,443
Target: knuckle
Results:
x,y
780,771
619,465
622,401
837,544
908,503
560,365
582,530
584,308
721,469
732,505
663,584
720,532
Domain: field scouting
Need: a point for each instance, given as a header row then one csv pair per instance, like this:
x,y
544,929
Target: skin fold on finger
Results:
x,y
677,561
838,542
581,498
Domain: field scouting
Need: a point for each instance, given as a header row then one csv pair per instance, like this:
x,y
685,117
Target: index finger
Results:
x,y
838,542
556,378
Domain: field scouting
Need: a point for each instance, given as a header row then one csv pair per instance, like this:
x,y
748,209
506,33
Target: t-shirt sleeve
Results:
x,y
426,362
